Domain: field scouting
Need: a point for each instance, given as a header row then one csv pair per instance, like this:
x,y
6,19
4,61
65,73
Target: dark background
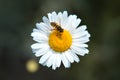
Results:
x,y
18,18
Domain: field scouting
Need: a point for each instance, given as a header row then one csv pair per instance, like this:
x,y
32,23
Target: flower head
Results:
x,y
59,39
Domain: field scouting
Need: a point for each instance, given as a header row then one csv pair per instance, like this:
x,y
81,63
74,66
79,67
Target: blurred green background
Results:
x,y
18,18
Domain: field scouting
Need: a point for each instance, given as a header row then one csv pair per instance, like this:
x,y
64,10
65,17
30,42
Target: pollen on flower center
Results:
x,y
60,41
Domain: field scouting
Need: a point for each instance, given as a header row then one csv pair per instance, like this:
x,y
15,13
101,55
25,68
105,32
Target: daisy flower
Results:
x,y
59,39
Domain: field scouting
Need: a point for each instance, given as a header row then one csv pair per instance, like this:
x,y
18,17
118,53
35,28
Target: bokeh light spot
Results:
x,y
32,66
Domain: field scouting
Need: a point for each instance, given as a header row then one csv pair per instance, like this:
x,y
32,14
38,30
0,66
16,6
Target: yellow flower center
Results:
x,y
60,41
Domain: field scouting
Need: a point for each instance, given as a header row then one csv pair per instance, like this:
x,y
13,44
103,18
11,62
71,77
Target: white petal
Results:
x,y
39,40
79,51
50,60
72,23
52,16
79,44
68,55
85,35
55,17
85,50
77,22
49,17
46,21
75,57
35,46
59,14
65,61
81,28
39,45
45,57
39,31
35,50
80,34
81,40
65,14
42,51
71,29
64,19
36,30
39,37
43,27
60,19
58,60
68,23
54,62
